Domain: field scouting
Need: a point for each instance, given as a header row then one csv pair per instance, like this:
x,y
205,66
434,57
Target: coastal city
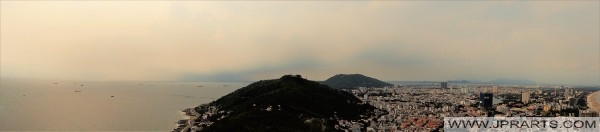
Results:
x,y
423,107
299,65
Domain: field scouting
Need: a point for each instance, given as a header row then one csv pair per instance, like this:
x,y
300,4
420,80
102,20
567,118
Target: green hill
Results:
x,y
346,81
290,103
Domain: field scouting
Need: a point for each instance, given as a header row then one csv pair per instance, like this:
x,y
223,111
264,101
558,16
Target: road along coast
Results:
x,y
592,101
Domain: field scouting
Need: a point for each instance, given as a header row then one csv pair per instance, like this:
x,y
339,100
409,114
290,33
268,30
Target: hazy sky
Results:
x,y
547,42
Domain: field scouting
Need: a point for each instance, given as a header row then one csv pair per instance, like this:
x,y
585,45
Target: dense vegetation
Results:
x,y
290,103
345,81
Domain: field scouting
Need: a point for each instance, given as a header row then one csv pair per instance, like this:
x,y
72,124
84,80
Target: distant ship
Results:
x,y
77,91
199,86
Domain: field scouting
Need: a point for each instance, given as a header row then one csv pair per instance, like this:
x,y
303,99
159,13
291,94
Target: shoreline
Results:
x,y
592,102
187,123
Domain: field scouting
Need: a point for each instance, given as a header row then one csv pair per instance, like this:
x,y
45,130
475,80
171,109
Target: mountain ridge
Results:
x,y
290,103
348,81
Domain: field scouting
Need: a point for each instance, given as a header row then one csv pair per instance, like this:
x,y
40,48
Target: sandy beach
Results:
x,y
593,102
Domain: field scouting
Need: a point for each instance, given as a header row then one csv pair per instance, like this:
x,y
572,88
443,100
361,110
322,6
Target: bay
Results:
x,y
42,105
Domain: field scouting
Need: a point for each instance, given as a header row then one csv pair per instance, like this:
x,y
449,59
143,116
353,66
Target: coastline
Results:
x,y
592,101
187,123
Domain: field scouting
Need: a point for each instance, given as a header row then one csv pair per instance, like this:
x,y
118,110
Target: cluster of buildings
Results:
x,y
415,108
195,121
423,109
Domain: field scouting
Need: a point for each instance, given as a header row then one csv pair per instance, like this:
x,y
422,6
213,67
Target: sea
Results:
x,y
43,105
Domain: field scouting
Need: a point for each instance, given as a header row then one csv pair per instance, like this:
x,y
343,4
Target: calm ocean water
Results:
x,y
27,105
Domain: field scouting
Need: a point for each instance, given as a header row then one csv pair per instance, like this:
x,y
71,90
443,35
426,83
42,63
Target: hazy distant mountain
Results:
x,y
290,103
458,81
476,81
497,81
511,81
353,81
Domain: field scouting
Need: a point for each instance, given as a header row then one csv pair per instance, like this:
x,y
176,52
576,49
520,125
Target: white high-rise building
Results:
x,y
495,89
525,97
465,90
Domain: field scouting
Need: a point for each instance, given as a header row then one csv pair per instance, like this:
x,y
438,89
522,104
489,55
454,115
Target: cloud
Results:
x,y
298,66
548,42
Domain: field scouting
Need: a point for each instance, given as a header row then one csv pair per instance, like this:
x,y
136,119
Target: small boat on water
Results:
x,y
77,91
